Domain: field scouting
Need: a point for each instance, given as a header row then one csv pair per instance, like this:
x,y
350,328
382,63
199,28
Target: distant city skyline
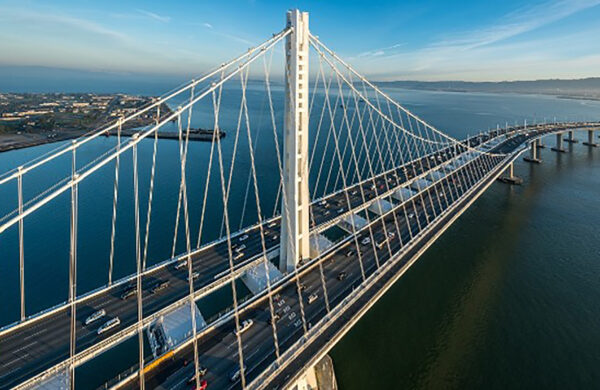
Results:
x,y
439,40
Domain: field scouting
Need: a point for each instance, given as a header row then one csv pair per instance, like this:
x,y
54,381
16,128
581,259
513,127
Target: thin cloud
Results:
x,y
152,15
380,52
516,23
216,31
64,20
487,52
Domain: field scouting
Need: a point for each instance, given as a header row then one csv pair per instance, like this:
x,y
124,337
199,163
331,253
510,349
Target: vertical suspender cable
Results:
x,y
111,257
73,266
138,259
151,192
21,243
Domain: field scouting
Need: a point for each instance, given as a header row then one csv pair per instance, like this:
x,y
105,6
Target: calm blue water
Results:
x,y
508,297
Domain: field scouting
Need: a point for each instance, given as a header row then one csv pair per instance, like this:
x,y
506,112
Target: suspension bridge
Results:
x,y
324,193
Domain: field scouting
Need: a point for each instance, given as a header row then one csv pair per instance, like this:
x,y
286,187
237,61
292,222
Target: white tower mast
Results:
x,y
295,206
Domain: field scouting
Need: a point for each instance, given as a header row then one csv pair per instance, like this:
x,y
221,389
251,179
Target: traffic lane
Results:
x,y
52,349
290,298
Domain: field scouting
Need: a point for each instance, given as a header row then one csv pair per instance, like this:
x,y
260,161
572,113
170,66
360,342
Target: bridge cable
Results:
x,y
114,207
150,193
138,258
73,266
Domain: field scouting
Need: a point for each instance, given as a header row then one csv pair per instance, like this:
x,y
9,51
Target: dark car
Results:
x,y
129,292
158,286
342,275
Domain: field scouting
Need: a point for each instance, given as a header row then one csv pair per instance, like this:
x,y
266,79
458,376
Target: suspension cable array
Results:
x,y
202,222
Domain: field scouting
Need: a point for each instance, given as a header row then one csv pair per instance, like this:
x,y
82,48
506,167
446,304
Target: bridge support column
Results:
x,y
533,155
295,232
510,177
570,138
559,144
590,141
539,144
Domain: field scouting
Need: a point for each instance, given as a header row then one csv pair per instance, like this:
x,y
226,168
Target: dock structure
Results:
x,y
194,134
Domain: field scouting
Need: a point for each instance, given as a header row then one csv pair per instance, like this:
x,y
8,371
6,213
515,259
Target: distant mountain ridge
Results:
x,y
587,88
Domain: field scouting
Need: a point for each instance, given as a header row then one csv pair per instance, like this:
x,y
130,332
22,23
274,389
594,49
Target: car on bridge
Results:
x,y
95,316
159,286
203,383
235,375
180,264
108,325
246,324
130,291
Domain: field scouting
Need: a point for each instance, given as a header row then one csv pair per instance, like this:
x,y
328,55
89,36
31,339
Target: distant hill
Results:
x,y
588,88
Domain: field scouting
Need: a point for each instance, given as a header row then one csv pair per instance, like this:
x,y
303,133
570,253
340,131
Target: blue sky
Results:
x,y
386,40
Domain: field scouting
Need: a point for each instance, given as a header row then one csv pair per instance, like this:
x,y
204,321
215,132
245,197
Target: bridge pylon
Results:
x,y
295,234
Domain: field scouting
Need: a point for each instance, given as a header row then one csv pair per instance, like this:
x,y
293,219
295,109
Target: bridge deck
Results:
x,y
41,344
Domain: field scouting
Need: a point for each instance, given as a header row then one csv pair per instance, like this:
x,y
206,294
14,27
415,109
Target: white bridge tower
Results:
x,y
295,205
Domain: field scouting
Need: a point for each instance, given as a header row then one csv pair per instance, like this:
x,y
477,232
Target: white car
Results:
x,y
366,241
109,325
244,237
96,316
245,326
181,264
194,276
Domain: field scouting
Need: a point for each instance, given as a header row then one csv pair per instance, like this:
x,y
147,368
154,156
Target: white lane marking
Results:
x,y
24,347
35,334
